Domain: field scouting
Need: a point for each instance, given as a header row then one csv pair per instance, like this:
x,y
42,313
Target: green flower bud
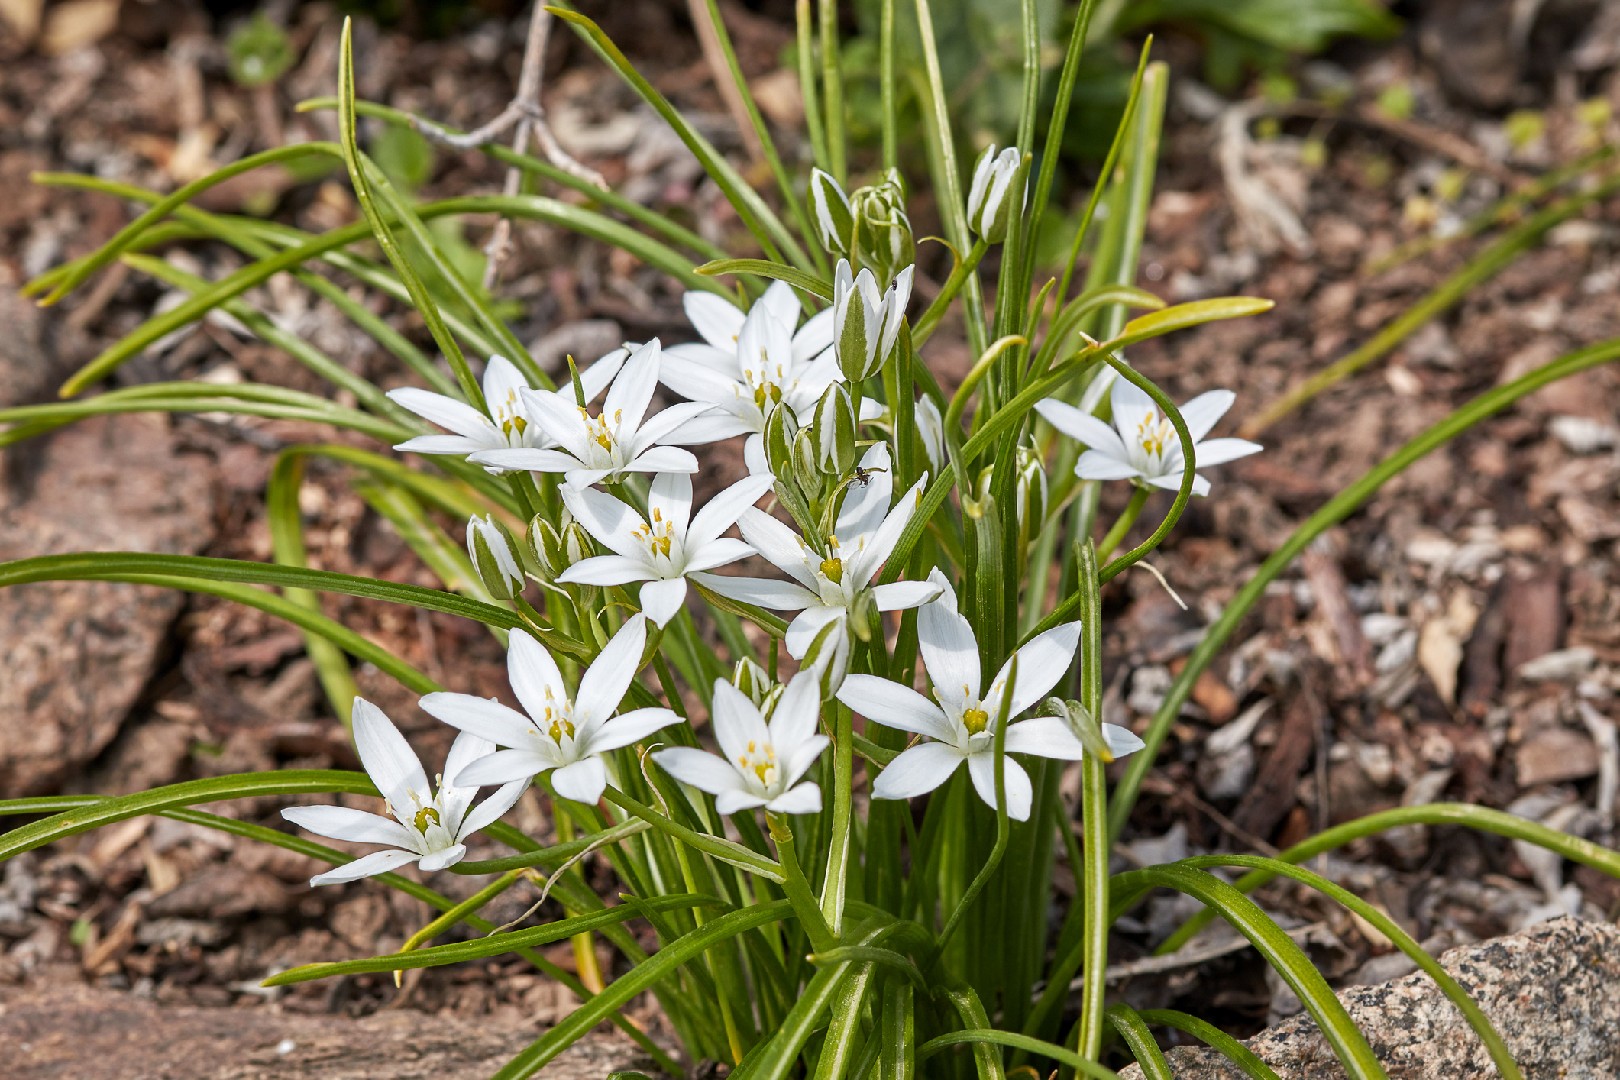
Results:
x,y
494,557
828,655
1032,493
830,206
807,463
866,326
990,205
752,680
556,547
781,429
834,426
882,230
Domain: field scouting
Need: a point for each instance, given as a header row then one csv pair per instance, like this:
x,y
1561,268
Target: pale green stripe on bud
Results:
x,y
834,221
834,427
494,557
988,207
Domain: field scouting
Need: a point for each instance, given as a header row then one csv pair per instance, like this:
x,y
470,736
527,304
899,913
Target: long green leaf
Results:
x,y
1239,1055
642,977
986,1036
492,945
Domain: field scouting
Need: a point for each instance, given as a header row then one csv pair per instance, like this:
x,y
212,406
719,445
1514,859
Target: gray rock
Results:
x,y
1553,991
92,1034
77,654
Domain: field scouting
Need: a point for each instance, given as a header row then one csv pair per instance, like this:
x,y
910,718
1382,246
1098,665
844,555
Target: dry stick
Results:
x,y
714,55
525,113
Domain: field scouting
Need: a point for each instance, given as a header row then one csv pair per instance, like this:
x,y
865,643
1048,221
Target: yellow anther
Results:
x,y
833,570
425,817
561,727
1154,433
975,720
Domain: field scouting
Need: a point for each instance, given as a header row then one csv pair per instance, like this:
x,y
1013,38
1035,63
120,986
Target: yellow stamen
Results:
x,y
833,570
975,720
425,817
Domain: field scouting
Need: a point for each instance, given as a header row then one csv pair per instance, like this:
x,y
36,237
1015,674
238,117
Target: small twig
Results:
x,y
525,114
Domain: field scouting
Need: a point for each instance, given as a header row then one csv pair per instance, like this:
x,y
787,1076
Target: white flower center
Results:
x,y
510,418
759,768
603,448
425,816
556,724
658,536
1154,435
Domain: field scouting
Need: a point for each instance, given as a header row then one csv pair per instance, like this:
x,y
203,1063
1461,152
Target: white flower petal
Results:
x,y
670,499
1097,465
804,799
583,781
1121,741
717,553
1020,792
607,519
438,860
378,862
950,652
606,570
1041,663
627,399
447,412
1131,406
343,823
502,380
525,459
903,595
761,592
808,625
721,512
533,675
1172,482
803,756
731,802
389,760
484,717
1082,427
493,808
1047,737
661,599
738,726
892,705
917,771
797,711
882,542
716,318
866,503
699,769
596,378
505,767
1220,451
664,459
778,544
604,683
781,301
1203,412
442,444
630,727
814,337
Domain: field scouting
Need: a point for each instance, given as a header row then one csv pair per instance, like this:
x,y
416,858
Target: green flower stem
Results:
x,y
960,273
832,89
721,848
1094,820
1127,518
835,885
1336,510
797,887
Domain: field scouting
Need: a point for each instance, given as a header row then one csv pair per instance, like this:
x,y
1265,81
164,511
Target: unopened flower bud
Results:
x,y
882,231
493,556
1032,493
866,325
830,206
931,430
556,547
752,680
990,206
828,655
781,428
834,426
807,463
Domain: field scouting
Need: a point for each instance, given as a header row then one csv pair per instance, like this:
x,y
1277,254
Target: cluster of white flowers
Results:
x,y
762,375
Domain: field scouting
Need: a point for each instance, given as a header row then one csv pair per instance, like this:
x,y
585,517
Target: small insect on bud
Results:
x,y
829,204
989,207
494,557
883,241
834,427
866,325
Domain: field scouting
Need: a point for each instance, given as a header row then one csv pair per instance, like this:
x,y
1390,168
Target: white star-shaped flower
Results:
x,y
621,439
427,828
559,733
762,761
750,364
960,723
511,424
664,550
829,584
1142,444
